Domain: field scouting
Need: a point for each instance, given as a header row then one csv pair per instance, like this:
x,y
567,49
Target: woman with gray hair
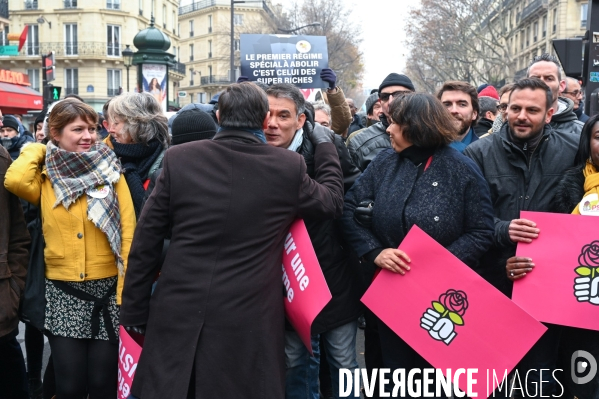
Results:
x,y
139,137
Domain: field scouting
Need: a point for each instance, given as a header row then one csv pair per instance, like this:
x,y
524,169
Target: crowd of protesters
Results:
x,y
174,229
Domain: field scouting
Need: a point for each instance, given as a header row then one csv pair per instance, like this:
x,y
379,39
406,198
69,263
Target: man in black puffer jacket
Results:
x,y
337,323
523,163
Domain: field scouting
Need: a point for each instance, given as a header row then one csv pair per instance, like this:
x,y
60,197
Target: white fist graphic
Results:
x,y
587,290
440,328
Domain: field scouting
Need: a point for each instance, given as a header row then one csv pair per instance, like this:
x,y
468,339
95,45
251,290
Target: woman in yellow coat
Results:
x,y
88,221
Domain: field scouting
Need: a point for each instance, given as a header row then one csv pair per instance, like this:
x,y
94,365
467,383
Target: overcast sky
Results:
x,y
383,36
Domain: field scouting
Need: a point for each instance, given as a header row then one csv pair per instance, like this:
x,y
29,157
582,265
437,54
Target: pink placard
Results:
x,y
563,288
307,292
129,351
451,316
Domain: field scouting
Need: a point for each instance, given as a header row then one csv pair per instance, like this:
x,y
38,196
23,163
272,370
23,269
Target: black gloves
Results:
x,y
328,75
363,213
141,330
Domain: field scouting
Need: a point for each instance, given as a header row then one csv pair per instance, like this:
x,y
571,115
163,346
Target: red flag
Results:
x,y
23,38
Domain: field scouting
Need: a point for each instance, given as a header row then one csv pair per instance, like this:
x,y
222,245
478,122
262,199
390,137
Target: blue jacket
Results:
x,y
450,201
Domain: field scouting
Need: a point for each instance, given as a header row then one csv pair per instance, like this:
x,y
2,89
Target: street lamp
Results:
x,y
127,61
301,27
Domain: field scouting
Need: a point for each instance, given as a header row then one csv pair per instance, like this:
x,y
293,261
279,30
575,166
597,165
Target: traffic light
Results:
x,y
51,94
55,93
48,65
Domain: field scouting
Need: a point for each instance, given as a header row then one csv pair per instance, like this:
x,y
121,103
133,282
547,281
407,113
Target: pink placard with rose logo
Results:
x,y
450,315
563,288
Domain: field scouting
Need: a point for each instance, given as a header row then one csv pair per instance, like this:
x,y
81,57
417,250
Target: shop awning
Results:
x,y
16,99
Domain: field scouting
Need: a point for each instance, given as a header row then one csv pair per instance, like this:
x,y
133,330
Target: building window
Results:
x,y
191,73
141,8
31,4
113,4
114,82
535,32
191,28
174,23
164,16
236,44
34,78
71,81
202,98
554,20
527,36
70,3
584,10
545,26
114,40
209,23
209,48
32,44
191,52
70,39
238,19
210,71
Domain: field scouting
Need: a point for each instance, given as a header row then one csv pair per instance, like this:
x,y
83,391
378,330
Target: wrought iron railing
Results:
x,y
196,5
532,7
179,68
72,48
215,79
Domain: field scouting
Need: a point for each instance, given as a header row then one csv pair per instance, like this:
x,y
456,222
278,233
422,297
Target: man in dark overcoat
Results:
x,y
215,323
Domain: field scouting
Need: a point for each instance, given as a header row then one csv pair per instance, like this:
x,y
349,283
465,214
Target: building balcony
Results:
x,y
215,79
67,49
534,7
178,68
196,5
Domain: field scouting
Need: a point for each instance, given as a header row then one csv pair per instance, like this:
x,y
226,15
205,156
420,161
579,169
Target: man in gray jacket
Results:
x,y
523,163
366,145
546,67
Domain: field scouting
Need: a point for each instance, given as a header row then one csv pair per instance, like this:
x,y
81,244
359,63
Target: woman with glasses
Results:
x,y
87,221
419,181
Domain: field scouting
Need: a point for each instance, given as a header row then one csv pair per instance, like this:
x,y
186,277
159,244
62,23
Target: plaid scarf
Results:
x,y
73,174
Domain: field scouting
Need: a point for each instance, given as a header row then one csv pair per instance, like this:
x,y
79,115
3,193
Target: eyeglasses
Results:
x,y
385,96
574,93
502,107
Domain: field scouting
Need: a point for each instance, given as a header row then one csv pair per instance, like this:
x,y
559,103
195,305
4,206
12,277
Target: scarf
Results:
x,y
137,159
297,140
591,184
73,174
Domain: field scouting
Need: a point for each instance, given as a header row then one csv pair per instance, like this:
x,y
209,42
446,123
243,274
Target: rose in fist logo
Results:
x,y
440,321
586,286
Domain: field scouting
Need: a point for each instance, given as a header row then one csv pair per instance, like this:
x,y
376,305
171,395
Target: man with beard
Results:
x,y
546,67
461,100
523,163
369,142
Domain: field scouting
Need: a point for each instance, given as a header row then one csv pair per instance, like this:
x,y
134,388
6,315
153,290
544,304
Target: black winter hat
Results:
x,y
191,125
395,79
11,121
370,101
